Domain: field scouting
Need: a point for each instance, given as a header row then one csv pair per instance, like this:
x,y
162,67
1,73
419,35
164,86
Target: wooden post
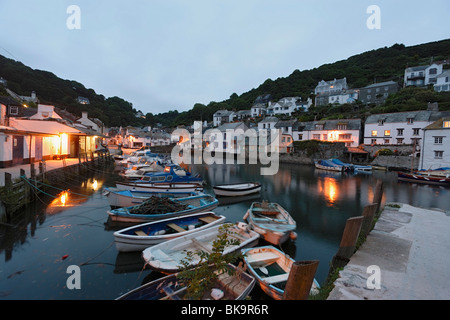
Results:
x,y
378,194
8,180
33,177
348,243
300,280
368,214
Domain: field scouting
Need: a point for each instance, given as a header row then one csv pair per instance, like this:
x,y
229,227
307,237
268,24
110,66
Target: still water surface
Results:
x,y
38,245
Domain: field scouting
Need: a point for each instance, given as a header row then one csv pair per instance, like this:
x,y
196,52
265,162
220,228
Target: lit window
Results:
x,y
374,133
446,124
387,132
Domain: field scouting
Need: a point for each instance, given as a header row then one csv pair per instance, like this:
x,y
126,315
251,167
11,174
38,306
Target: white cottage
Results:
x,y
436,145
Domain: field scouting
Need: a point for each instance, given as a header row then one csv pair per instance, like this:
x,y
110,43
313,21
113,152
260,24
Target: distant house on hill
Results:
x,y
325,89
421,76
443,82
223,116
377,93
83,100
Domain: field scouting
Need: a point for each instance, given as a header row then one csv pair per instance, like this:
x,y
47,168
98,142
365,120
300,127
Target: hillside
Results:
x,y
382,64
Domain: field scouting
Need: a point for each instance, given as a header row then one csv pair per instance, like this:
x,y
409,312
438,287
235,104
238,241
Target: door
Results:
x,y
38,148
17,150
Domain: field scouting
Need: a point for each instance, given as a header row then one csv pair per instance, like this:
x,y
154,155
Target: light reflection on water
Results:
x,y
33,244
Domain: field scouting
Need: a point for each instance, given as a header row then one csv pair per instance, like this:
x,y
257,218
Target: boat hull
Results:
x,y
237,190
124,215
130,239
235,287
160,187
166,257
275,230
424,179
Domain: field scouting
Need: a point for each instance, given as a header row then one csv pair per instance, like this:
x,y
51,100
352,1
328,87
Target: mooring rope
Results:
x,y
48,185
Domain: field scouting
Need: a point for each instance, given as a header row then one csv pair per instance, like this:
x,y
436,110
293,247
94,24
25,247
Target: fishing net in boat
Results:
x,y
158,205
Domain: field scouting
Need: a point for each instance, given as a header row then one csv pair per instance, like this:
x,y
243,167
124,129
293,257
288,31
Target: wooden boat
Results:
x,y
166,257
128,198
350,167
142,236
160,186
328,166
157,208
235,287
237,189
417,177
272,221
271,269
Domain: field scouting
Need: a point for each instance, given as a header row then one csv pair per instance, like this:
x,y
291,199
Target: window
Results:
x,y
14,110
433,71
438,140
325,136
319,126
387,132
374,133
438,154
446,124
300,136
410,120
381,122
374,141
399,132
400,140
345,137
342,126
386,141
369,97
416,131
316,136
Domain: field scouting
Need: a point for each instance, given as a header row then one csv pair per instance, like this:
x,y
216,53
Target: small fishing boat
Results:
x,y
156,208
236,286
237,189
328,166
160,186
419,177
166,257
140,237
127,198
171,173
350,167
271,269
272,221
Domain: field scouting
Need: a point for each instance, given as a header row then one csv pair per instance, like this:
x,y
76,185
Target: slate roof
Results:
x,y
438,124
352,124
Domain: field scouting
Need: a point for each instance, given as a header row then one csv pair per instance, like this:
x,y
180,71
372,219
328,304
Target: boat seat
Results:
x,y
262,257
278,278
175,227
207,219
140,233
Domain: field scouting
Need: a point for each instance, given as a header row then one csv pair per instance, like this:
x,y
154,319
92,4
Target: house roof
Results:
x,y
438,124
285,123
444,74
49,126
352,124
230,126
223,113
7,101
269,119
381,84
417,68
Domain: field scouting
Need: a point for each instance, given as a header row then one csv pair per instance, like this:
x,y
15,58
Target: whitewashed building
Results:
x,y
443,82
285,106
421,76
258,110
399,127
347,131
325,89
267,123
436,145
223,116
226,138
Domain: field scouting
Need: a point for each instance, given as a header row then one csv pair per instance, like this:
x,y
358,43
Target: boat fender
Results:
x,y
293,235
264,270
217,294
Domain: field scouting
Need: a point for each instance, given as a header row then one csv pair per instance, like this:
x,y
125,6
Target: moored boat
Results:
x,y
418,177
156,208
272,221
140,237
271,269
171,173
237,189
166,257
160,186
328,166
127,198
234,286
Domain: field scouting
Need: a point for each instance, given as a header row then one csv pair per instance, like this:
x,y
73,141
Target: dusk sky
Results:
x,y
163,55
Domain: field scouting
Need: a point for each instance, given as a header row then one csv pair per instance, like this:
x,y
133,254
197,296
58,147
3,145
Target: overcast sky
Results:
x,y
163,55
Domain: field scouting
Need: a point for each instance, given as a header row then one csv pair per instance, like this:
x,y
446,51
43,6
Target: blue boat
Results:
x,y
171,173
349,167
156,208
328,165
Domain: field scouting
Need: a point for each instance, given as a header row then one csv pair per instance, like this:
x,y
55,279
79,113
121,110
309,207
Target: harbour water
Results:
x,y
38,245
